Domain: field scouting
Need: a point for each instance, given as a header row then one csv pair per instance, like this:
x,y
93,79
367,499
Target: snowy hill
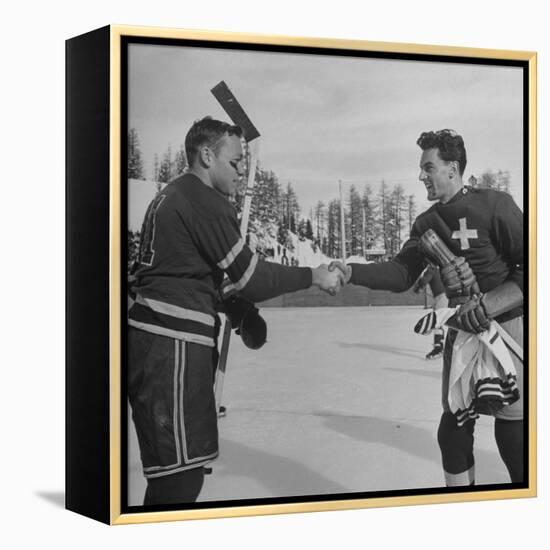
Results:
x,y
299,252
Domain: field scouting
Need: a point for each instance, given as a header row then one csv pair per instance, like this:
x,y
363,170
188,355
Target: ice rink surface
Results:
x,y
339,400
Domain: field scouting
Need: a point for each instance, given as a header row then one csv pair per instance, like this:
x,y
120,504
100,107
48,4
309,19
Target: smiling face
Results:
x,y
227,165
440,177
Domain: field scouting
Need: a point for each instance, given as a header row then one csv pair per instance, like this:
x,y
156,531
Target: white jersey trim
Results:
x,y
176,311
162,473
242,282
233,253
178,335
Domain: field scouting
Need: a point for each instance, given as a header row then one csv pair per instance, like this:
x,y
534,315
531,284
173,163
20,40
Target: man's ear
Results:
x,y
453,169
205,156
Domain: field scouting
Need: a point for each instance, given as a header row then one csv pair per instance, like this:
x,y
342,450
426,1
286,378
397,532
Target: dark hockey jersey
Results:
x,y
190,237
482,225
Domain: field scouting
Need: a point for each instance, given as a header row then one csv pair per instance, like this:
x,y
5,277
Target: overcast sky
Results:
x,y
326,118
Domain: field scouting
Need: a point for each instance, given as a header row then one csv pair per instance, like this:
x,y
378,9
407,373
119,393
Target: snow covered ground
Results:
x,y
339,400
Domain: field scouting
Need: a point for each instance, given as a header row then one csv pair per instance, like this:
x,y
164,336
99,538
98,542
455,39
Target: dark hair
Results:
x,y
449,144
207,131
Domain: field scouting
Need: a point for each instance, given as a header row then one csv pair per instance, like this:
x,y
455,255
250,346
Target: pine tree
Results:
x,y
265,197
156,169
292,225
166,167
411,211
320,218
397,201
257,204
133,247
369,216
291,208
384,215
309,230
302,229
180,162
135,162
264,215
333,229
355,222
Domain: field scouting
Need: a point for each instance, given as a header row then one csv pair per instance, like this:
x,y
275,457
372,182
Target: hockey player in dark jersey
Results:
x,y
484,230
190,239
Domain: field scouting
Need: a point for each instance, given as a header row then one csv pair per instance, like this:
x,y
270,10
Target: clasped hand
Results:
x,y
331,278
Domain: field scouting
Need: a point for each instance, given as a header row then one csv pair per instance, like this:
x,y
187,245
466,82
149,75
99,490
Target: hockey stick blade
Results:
x,y
234,110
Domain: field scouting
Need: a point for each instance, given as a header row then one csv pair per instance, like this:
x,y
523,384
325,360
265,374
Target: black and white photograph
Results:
x,y
325,273
251,297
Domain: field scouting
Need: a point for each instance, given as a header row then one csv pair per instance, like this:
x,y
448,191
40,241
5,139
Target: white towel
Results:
x,y
482,377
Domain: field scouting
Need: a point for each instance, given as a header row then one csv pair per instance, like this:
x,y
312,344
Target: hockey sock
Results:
x,y
457,450
509,438
175,488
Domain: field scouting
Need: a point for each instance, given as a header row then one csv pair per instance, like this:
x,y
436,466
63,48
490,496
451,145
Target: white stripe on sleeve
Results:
x,y
233,253
241,283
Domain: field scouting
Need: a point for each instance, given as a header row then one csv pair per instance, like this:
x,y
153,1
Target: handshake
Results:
x,y
331,278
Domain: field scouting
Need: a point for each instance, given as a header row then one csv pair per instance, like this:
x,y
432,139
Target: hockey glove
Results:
x,y
246,319
471,316
457,277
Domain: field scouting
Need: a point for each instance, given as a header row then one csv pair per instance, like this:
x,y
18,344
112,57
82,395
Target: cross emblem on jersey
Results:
x,y
464,234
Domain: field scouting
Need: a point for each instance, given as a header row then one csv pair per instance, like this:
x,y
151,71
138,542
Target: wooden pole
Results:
x,y
342,222
224,349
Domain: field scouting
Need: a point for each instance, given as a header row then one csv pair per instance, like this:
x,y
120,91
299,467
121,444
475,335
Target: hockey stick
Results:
x,y
237,114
